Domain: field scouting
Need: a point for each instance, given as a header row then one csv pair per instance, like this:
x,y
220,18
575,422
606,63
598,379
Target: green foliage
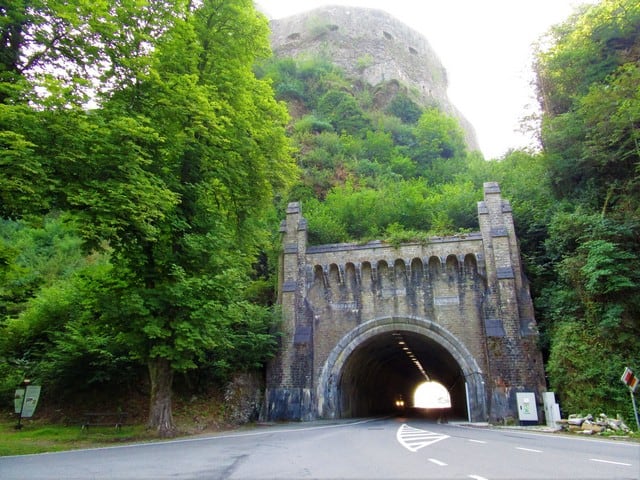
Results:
x,y
170,176
378,146
21,171
523,179
215,126
303,80
12,373
438,137
37,438
585,370
343,112
607,269
405,109
365,170
586,49
364,62
70,51
311,124
33,255
588,81
59,341
324,226
396,234
401,209
152,206
403,167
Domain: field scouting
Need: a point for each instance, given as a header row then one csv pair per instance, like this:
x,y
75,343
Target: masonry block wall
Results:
x,y
471,286
511,336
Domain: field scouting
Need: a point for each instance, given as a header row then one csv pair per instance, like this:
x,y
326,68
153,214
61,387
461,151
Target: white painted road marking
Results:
x,y
413,439
609,461
528,449
437,462
477,441
476,477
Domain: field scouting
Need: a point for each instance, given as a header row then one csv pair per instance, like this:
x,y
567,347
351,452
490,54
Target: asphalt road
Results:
x,y
392,448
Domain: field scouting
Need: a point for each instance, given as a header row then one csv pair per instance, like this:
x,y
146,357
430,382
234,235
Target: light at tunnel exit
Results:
x,y
431,395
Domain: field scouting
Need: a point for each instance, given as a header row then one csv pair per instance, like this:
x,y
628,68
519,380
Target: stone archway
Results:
x,y
340,303
330,395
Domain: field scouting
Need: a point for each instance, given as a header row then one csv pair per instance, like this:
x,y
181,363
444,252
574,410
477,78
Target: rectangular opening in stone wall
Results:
x,y
504,272
291,248
494,327
289,286
302,335
448,300
499,232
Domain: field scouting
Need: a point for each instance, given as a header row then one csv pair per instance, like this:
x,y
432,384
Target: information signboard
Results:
x,y
629,379
17,400
26,400
31,397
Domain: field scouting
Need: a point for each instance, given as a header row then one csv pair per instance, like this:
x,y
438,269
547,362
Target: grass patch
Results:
x,y
56,429
40,438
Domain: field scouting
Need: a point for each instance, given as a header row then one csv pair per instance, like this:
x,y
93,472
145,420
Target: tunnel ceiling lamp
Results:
x,y
410,354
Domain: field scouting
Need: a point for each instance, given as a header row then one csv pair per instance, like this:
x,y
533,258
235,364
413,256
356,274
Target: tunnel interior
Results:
x,y
390,366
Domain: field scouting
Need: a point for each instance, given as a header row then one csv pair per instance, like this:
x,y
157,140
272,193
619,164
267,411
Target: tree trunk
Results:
x,y
160,416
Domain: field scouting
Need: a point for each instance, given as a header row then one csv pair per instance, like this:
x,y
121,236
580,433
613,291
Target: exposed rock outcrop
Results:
x,y
373,46
243,398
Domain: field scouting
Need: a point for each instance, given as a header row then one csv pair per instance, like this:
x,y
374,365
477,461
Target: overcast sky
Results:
x,y
485,46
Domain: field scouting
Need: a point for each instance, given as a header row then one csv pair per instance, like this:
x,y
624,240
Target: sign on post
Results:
x,y
629,379
18,398
25,401
31,397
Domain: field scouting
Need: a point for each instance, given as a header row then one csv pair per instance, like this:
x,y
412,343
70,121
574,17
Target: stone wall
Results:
x,y
373,46
471,288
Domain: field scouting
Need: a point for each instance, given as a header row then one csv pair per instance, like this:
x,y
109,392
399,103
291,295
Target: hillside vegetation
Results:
x,y
377,165
138,238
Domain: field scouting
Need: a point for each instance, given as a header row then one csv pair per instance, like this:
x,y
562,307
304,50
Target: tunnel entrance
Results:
x,y
384,361
380,371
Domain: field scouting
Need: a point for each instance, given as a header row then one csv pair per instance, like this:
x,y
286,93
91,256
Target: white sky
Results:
x,y
485,46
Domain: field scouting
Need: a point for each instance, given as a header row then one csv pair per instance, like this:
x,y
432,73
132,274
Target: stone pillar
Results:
x,y
515,362
288,393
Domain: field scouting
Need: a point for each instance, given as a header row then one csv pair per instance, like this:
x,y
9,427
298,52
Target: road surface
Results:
x,y
391,448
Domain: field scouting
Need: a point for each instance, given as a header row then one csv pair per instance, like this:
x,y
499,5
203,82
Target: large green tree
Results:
x,y
55,57
221,152
172,173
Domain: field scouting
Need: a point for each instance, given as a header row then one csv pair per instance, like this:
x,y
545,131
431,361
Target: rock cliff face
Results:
x,y
373,46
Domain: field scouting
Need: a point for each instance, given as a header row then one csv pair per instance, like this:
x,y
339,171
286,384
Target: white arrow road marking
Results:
x,y
413,439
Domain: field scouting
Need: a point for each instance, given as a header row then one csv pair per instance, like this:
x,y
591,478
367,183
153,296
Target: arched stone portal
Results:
x,y
462,302
367,370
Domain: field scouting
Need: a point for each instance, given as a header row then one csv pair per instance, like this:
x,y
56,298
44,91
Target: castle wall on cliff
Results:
x,y
371,45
